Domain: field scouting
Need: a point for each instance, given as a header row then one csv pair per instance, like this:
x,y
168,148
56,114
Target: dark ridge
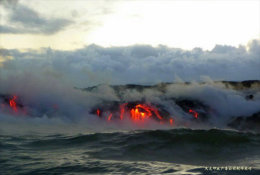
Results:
x,y
242,84
162,86
187,104
251,123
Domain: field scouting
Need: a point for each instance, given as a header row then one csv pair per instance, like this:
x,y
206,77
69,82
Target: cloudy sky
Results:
x,y
68,25
88,42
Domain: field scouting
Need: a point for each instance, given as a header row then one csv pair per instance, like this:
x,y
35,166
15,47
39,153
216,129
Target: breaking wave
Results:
x,y
143,152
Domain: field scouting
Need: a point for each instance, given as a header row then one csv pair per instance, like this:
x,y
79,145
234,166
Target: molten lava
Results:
x,y
137,113
12,103
142,111
194,113
122,110
171,121
98,112
109,117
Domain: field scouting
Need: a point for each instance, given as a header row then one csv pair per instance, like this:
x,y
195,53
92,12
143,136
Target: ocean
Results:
x,y
181,128
175,151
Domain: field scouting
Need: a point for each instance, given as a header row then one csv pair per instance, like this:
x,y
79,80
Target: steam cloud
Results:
x,y
48,77
141,64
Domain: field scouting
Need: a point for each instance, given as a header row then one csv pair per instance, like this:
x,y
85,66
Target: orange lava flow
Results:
x,y
138,113
12,103
194,113
142,111
109,117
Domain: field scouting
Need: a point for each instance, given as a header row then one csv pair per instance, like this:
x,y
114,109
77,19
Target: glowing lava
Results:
x,y
194,113
122,110
13,104
142,111
109,117
137,113
171,121
98,112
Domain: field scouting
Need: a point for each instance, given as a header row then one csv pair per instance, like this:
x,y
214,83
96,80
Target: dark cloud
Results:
x,y
140,64
9,3
8,29
25,20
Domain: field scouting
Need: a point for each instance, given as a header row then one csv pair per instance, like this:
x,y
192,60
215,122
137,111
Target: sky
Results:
x,y
86,42
50,48
70,25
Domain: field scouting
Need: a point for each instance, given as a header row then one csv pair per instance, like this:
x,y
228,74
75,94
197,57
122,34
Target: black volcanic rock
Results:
x,y
237,85
185,104
5,98
193,104
242,85
246,123
250,97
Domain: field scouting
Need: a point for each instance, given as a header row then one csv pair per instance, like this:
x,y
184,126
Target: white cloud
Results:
x,y
185,24
140,64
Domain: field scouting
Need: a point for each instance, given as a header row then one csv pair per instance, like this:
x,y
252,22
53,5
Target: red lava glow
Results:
x,y
138,113
12,103
142,111
194,113
98,112
171,121
109,117
122,110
